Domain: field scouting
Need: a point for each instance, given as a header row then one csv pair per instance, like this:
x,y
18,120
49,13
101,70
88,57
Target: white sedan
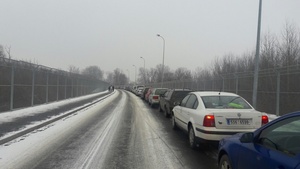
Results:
x,y
211,116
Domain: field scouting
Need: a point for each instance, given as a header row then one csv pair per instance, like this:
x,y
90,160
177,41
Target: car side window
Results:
x,y
191,101
169,95
184,100
283,136
196,104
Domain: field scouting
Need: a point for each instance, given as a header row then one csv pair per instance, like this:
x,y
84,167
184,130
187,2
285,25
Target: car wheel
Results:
x,y
167,114
174,125
192,139
160,110
224,162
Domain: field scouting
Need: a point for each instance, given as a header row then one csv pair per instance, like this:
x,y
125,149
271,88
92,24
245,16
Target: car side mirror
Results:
x,y
247,138
176,103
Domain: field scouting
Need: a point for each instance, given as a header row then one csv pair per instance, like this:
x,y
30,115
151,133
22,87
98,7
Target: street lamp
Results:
x,y
163,63
256,68
134,74
144,71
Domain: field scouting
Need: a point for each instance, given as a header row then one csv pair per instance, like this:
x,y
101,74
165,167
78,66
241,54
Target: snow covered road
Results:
x,y
119,132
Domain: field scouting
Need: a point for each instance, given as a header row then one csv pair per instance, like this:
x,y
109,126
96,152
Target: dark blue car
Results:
x,y
275,145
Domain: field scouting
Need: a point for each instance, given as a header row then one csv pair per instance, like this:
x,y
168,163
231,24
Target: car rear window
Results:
x,y
225,102
160,91
180,94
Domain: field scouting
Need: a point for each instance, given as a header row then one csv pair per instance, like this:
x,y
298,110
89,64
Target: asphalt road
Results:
x,y
120,132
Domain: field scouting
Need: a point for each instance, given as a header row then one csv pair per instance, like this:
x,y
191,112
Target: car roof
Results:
x,y
159,88
180,90
288,115
213,93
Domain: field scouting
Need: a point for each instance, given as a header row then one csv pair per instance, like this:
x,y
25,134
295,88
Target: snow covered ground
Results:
x,y
19,152
11,116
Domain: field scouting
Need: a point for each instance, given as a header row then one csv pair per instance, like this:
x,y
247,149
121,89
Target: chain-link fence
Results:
x,y
23,84
278,89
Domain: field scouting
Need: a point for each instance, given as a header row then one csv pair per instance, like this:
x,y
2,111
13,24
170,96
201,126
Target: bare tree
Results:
x,y
152,75
119,78
2,52
269,57
289,50
94,72
110,77
182,74
142,78
74,69
8,51
168,75
290,46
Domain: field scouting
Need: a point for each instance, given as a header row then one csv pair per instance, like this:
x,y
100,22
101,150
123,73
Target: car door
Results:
x,y
167,101
188,110
179,116
163,100
277,146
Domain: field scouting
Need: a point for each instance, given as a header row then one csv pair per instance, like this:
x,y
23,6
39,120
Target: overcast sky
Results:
x,y
116,33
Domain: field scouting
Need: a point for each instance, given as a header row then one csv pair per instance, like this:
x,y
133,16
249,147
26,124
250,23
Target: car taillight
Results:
x,y
155,97
264,119
209,121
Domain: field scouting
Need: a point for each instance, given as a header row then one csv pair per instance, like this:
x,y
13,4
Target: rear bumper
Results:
x,y
155,101
217,135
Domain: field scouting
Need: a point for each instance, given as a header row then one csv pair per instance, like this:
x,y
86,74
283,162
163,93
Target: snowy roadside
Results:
x,y
11,116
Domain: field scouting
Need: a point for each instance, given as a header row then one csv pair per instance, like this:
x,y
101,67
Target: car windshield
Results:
x,y
225,102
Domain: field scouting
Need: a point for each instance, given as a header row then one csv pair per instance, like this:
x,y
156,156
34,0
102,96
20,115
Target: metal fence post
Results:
x,y
278,93
77,88
32,87
57,87
12,87
72,88
47,87
65,87
236,84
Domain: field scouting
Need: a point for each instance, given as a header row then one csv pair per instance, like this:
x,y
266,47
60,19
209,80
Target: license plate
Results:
x,y
239,121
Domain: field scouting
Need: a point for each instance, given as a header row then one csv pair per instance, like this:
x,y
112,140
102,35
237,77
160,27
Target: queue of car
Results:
x,y
246,138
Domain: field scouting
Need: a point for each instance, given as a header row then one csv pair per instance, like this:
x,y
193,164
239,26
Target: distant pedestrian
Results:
x,y
110,88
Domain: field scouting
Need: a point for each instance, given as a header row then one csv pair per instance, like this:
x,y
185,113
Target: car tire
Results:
x,y
167,114
192,138
174,125
160,110
224,163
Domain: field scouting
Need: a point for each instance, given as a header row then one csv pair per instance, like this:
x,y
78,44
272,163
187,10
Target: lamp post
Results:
x,y
256,68
134,74
163,63
144,71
